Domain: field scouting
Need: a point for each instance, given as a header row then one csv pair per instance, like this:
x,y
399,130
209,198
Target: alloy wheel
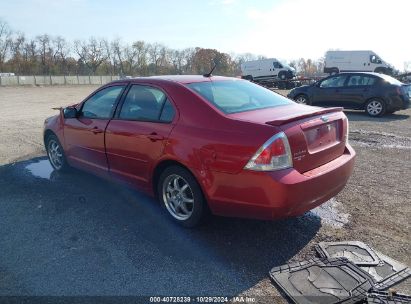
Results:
x,y
55,154
178,197
374,107
301,99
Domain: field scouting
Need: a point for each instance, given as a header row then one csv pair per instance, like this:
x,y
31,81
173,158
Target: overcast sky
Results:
x,y
282,29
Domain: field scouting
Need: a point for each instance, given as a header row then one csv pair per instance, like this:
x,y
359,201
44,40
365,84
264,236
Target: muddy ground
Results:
x,y
373,208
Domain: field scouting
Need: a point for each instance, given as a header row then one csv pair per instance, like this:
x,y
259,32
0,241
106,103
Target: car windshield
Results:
x,y
390,80
233,96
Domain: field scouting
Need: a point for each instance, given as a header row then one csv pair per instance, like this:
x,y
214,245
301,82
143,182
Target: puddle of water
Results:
x,y
330,214
42,169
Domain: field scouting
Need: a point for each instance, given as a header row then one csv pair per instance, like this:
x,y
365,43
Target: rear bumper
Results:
x,y
280,194
398,103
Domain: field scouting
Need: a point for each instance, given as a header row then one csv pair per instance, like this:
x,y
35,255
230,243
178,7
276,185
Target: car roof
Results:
x,y
364,73
183,79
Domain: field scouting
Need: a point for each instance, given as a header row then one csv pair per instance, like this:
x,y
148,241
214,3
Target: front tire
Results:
x,y
282,76
55,153
375,107
181,196
302,99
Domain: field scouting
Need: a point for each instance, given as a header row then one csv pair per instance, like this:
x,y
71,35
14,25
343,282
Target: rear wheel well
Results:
x,y
161,167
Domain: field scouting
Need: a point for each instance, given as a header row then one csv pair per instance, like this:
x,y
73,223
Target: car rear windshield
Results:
x,y
390,80
233,96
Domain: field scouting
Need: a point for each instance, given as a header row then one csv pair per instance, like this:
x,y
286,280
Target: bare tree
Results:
x,y
154,55
92,53
5,42
141,49
61,51
45,52
17,51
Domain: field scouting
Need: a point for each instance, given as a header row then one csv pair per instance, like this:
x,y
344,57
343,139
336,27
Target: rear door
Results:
x,y
135,138
84,135
328,91
355,93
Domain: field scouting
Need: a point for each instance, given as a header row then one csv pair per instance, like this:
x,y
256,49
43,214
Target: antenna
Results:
x,y
210,73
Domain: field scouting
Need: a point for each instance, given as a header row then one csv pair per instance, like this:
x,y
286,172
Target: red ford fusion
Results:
x,y
202,144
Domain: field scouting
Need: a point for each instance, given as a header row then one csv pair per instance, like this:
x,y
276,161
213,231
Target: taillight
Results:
x,y
274,154
398,89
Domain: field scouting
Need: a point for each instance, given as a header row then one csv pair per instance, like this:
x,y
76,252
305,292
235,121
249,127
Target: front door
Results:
x,y
355,93
84,135
328,91
135,138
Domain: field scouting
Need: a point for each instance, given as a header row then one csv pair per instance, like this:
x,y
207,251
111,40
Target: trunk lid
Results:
x,y
316,135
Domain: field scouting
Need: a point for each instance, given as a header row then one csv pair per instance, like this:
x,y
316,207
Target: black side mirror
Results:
x,y
70,112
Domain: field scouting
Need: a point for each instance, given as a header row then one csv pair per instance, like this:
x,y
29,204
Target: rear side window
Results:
x,y
145,103
100,105
333,82
167,114
359,80
233,96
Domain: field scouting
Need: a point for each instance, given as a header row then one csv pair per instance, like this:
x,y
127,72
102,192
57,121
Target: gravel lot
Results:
x,y
75,234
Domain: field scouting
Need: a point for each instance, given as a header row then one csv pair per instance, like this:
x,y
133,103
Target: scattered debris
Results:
x,y
356,252
379,140
385,271
346,272
323,281
381,297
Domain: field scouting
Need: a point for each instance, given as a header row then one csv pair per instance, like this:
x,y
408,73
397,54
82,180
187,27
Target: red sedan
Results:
x,y
204,144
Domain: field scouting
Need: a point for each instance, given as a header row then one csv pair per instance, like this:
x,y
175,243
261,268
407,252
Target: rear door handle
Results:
x,y
96,130
154,136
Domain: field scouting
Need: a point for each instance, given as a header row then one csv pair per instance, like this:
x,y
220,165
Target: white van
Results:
x,y
266,70
355,61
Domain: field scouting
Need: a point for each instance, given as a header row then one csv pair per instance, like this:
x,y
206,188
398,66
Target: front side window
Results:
x,y
359,80
375,59
277,65
232,96
101,104
146,103
333,82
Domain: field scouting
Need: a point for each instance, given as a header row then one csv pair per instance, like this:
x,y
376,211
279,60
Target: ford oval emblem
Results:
x,y
324,118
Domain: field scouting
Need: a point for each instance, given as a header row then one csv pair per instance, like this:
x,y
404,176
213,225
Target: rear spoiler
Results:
x,y
285,120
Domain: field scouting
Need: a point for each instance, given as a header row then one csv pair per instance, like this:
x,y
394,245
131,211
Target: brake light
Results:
x,y
274,154
398,91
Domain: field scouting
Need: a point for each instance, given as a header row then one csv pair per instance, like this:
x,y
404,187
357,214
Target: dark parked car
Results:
x,y
206,143
375,93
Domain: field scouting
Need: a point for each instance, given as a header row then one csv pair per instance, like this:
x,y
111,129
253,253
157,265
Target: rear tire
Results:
x,y
334,71
181,196
375,107
55,154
